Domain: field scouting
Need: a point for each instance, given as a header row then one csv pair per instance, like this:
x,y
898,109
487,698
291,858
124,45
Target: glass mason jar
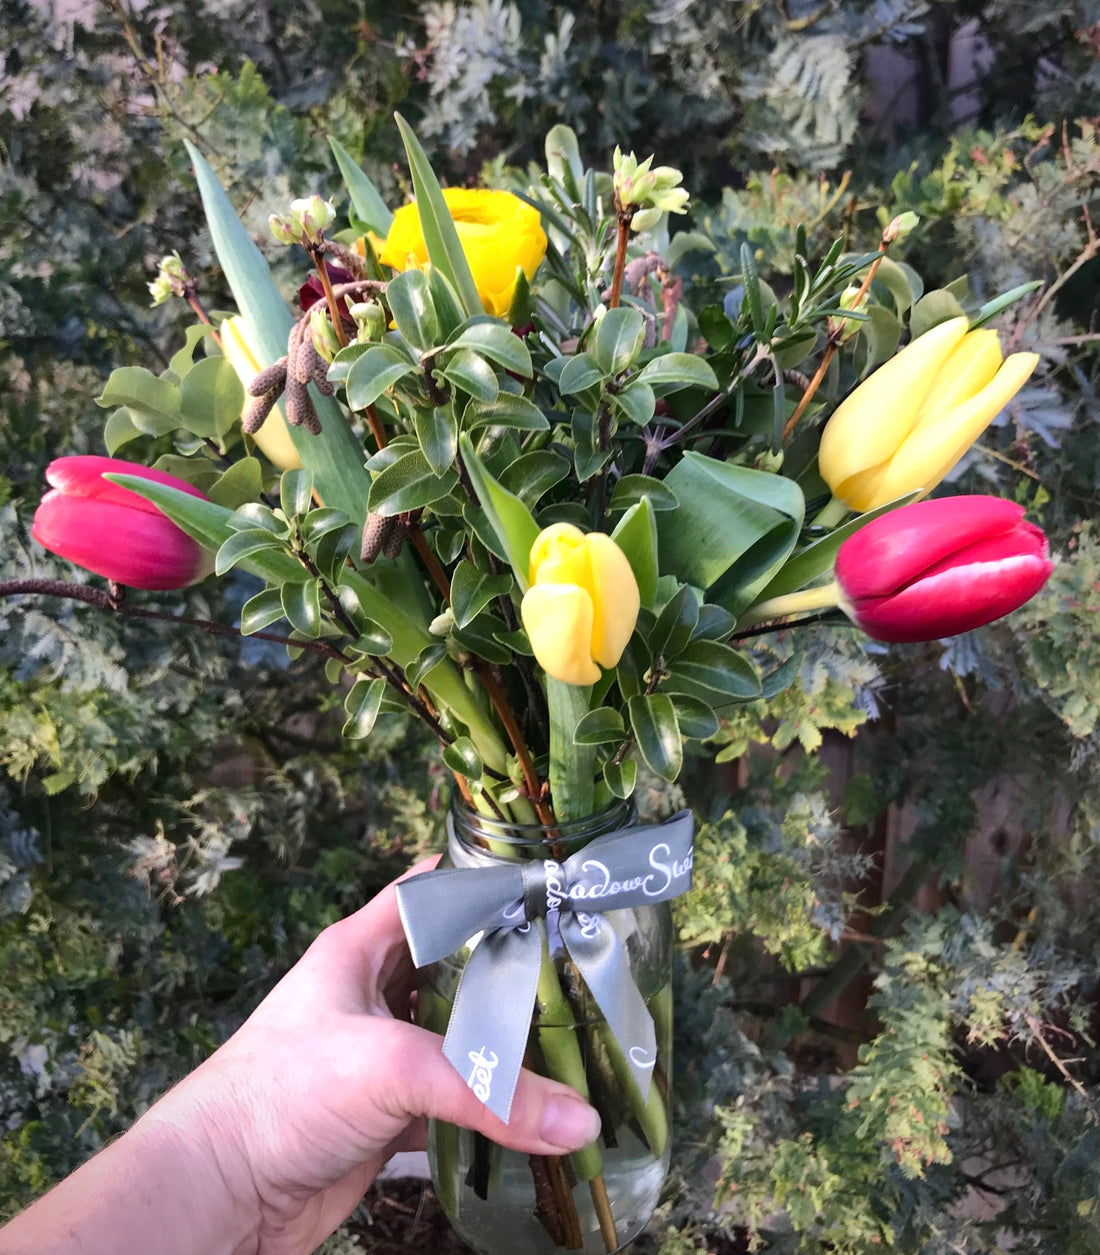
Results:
x,y
598,1200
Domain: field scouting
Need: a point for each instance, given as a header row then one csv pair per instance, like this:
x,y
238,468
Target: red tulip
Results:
x,y
114,532
937,568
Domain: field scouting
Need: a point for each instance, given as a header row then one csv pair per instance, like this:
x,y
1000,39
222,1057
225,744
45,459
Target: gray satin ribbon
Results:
x,y
444,910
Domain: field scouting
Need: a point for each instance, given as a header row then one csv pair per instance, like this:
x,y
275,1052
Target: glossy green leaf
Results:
x,y
211,398
333,550
302,605
366,203
472,374
372,638
481,636
462,757
241,483
637,402
119,430
696,719
362,705
295,492
375,373
409,297
533,474
499,343
588,457
261,611
425,663
437,434
437,226
153,403
617,340
241,545
602,726
409,484
579,374
675,624
621,778
653,721
636,536
510,519
630,489
671,371
472,590
506,411
717,668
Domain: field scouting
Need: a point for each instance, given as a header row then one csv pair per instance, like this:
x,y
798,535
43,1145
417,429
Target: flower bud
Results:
x,y
643,189
171,279
306,222
113,532
582,603
323,333
370,320
937,568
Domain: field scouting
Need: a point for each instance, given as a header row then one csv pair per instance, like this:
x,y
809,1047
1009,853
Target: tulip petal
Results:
x,y
893,551
558,620
615,599
121,542
82,476
875,419
938,443
966,372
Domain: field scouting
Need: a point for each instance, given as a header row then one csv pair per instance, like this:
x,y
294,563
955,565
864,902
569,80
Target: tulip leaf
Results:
x,y
733,529
153,402
436,224
510,519
636,536
410,483
671,371
533,474
437,434
506,411
617,340
366,203
375,373
817,559
602,726
362,705
1000,303
499,343
630,489
241,483
462,756
472,590
471,373
301,605
261,611
572,766
410,300
335,456
713,668
620,778
211,398
653,721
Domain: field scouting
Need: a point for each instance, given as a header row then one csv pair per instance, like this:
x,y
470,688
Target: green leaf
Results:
x,y
295,492
462,757
425,663
362,705
588,457
211,398
1000,303
630,489
471,373
653,720
621,778
448,308
932,309
372,638
510,519
332,550
671,371
302,605
629,672
533,474
636,536
241,545
409,297
321,522
153,403
256,514
408,484
335,456
119,430
472,590
894,279
261,611
781,679
499,343
437,433
603,726
572,766
506,411
375,373
751,279
241,483
818,558
617,340
675,624
637,402
184,358
716,668
366,203
436,225
579,374
715,327
481,636
733,524
696,719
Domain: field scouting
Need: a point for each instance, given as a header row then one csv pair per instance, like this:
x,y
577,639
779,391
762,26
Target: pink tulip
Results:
x,y
114,532
937,568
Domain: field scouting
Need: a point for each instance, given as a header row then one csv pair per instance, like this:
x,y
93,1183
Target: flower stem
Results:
x,y
623,218
833,514
827,596
330,296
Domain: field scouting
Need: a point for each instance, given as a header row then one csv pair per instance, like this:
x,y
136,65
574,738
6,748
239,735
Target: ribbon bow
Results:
x,y
444,910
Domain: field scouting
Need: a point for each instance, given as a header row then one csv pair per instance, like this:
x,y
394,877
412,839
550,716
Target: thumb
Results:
x,y
547,1118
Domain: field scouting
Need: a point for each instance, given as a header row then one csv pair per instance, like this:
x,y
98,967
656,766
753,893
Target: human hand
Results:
x,y
297,1112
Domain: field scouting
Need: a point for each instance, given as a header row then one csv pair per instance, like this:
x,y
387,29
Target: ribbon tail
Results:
x,y
489,1026
597,950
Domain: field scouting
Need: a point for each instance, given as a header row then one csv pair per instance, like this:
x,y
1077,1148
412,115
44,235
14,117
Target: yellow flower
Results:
x,y
499,234
582,604
273,437
910,421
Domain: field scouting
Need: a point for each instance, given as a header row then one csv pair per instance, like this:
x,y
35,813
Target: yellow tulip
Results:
x,y
273,437
582,603
499,234
911,420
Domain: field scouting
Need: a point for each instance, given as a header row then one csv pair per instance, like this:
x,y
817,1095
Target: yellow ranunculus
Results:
x,y
582,604
499,234
910,421
273,437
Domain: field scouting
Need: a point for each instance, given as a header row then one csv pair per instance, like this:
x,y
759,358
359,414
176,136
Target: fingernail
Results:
x,y
569,1122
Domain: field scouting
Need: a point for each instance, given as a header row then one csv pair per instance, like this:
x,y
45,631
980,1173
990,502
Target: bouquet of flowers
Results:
x,y
504,480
